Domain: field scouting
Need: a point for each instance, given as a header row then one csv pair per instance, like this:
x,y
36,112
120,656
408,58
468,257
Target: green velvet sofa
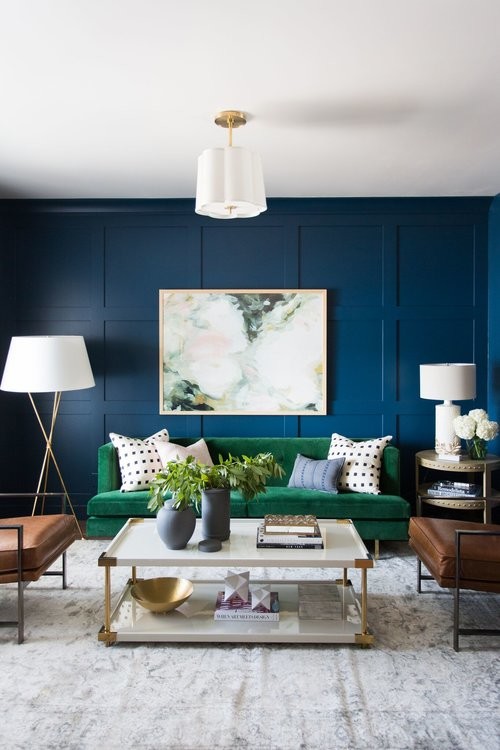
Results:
x,y
376,517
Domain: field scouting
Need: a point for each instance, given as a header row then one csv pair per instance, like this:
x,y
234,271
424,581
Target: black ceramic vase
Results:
x,y
175,527
215,514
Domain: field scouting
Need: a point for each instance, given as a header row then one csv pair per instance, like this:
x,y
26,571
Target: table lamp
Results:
x,y
47,364
449,382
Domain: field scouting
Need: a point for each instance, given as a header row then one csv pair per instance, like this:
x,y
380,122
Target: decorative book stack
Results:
x,y
290,532
237,609
448,488
237,602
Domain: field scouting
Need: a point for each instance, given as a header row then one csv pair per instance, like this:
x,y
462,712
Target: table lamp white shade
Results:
x,y
47,364
447,381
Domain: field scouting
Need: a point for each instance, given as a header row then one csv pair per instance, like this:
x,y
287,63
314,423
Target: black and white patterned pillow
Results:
x,y
362,464
138,459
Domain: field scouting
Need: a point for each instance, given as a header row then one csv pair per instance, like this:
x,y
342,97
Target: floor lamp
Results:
x,y
47,364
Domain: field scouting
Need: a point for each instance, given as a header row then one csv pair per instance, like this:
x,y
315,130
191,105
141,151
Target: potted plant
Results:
x,y
175,516
197,485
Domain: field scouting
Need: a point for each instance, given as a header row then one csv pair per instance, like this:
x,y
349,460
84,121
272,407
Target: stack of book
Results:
x,y
289,532
237,609
447,488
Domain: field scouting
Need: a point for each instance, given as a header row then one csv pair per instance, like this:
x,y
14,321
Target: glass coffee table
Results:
x,y
138,545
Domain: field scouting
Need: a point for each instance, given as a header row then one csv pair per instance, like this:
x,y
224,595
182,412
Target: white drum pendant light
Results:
x,y
230,183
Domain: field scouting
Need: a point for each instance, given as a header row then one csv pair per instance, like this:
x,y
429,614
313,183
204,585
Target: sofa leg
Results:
x,y
377,549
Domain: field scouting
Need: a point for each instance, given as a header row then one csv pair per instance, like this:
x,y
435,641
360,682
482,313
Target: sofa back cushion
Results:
x,y
284,450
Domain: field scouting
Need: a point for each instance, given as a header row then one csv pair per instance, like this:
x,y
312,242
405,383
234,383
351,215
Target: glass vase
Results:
x,y
477,448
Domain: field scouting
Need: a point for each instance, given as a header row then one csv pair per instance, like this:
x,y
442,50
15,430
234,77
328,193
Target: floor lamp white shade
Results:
x,y
230,184
47,364
449,382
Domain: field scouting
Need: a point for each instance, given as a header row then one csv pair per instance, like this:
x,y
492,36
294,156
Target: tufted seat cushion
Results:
x,y
45,538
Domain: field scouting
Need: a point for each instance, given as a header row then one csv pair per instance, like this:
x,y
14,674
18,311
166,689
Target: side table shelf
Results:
x,y
489,497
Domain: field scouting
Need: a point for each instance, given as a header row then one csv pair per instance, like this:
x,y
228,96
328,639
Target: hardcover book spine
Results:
x,y
246,616
296,545
288,540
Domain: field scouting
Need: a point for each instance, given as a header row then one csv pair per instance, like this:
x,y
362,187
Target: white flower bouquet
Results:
x,y
476,429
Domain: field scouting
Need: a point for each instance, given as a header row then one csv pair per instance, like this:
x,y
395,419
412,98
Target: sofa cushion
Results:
x,y
284,450
355,505
313,474
363,460
139,460
175,452
135,505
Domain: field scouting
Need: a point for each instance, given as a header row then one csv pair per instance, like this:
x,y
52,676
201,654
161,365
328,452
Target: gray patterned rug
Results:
x,y
64,689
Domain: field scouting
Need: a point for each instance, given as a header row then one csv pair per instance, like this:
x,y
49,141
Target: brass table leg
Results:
x,y
105,633
364,603
107,599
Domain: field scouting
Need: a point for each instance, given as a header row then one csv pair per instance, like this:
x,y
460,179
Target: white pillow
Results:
x,y
362,464
173,452
139,460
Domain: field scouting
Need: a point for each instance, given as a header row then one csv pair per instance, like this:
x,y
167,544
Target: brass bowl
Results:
x,y
162,594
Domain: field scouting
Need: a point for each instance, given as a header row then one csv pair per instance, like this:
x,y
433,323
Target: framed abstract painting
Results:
x,y
244,351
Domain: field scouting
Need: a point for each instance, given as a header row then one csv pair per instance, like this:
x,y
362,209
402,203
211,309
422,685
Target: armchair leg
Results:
x,y
20,587
64,583
20,612
61,572
456,607
18,528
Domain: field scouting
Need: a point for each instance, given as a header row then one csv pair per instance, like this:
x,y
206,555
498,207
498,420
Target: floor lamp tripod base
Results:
x,y
49,458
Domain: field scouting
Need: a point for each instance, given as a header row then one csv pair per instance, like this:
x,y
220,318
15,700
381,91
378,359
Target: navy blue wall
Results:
x,y
407,283
494,317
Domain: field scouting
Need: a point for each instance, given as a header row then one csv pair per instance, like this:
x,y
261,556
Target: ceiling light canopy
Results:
x,y
230,184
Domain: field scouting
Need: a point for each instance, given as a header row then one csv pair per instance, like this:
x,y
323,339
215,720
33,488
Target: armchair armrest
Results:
x,y
459,533
19,528
457,630
20,598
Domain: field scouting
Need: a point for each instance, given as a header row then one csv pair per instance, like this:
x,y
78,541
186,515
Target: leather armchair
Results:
x,y
458,555
29,545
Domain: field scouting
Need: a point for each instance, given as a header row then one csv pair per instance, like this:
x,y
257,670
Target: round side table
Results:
x,y
471,467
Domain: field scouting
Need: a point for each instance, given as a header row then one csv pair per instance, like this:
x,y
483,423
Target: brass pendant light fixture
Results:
x,y
230,184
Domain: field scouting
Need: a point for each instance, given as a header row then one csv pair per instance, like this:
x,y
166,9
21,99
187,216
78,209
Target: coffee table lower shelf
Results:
x,y
132,623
